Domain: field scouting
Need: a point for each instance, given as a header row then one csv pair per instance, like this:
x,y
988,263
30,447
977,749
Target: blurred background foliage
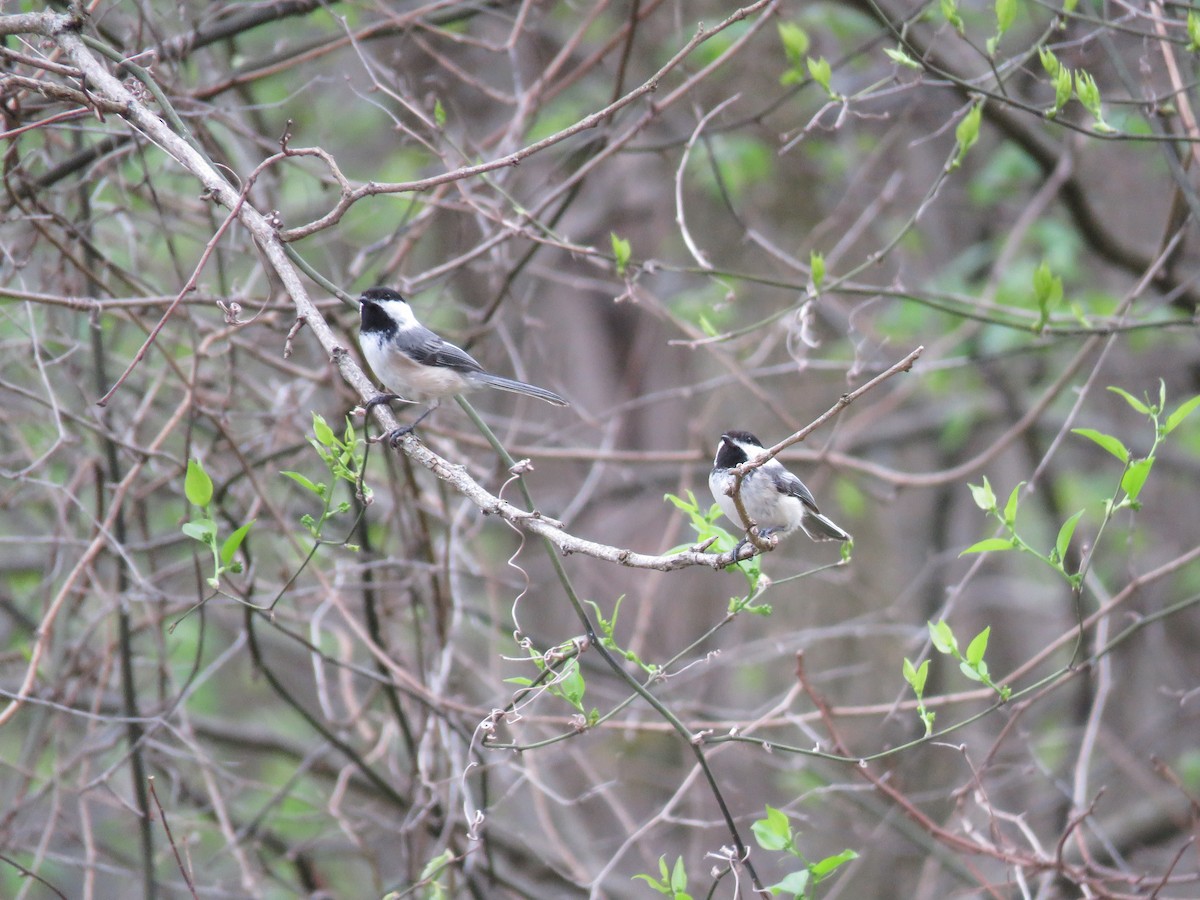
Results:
x,y
316,725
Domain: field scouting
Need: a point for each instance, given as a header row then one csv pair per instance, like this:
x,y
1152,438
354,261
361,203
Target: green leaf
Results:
x,y
899,57
1135,477
654,883
1087,90
1047,292
1049,61
773,832
821,72
572,684
794,885
323,433
978,647
943,638
1064,85
197,486
916,676
967,132
1107,441
950,11
688,505
621,250
1088,93
1010,508
678,877
1063,541
305,483
435,865
1174,420
816,262
233,542
1193,31
983,495
989,545
1133,401
1006,14
827,866
795,41
202,530
439,114
969,670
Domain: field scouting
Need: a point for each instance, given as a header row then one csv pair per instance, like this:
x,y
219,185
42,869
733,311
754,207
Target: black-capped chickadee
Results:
x,y
418,365
773,497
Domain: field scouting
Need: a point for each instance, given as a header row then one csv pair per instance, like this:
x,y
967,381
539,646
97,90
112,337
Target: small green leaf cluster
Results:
x,y
1126,496
816,262
1068,82
971,663
967,133
916,677
951,15
672,881
1047,293
898,56
985,499
606,630
1137,469
775,833
704,522
622,251
801,66
344,458
198,488
560,673
1006,15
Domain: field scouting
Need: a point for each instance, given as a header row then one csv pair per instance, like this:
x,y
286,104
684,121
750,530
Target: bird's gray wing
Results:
x,y
787,483
425,347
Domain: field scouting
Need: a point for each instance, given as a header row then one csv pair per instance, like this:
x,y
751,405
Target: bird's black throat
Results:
x,y
376,321
730,454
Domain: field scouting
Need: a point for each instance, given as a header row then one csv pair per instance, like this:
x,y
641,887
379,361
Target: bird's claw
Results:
x,y
396,435
379,399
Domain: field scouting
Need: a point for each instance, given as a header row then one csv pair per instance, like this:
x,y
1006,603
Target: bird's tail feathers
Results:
x,y
819,528
519,387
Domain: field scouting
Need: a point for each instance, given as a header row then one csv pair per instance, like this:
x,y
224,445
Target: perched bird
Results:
x,y
772,496
418,365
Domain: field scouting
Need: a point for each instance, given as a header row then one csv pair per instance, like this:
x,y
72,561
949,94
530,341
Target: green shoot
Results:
x,y
672,882
971,664
343,457
198,488
704,522
916,677
774,832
